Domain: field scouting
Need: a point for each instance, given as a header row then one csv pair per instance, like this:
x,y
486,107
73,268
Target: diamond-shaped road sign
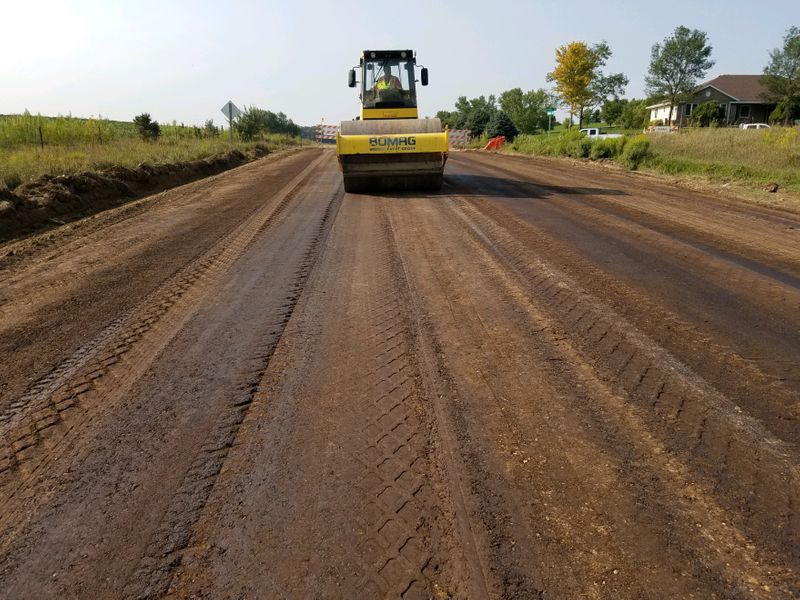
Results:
x,y
230,111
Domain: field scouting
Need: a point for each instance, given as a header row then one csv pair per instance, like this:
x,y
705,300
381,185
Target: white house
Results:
x,y
660,112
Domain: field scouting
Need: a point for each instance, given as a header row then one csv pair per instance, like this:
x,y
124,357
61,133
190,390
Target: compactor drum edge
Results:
x,y
389,147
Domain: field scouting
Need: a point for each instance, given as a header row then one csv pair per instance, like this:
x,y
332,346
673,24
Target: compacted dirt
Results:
x,y
545,381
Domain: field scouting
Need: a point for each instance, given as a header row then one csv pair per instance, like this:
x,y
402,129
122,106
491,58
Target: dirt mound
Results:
x,y
60,198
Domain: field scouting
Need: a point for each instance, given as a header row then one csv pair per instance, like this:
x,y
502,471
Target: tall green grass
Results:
x,y
72,145
630,152
754,156
29,162
27,129
720,154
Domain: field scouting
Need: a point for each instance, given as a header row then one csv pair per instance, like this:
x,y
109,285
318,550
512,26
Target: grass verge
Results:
x,y
717,156
628,151
755,157
27,162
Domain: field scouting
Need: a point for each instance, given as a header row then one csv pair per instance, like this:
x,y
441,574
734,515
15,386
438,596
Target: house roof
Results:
x,y
742,88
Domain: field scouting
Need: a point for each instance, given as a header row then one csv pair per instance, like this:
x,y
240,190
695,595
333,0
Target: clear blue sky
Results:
x,y
183,60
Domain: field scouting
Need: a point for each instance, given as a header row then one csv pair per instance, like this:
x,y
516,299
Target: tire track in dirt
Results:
x,y
771,384
739,228
34,428
100,268
370,516
615,509
753,475
152,577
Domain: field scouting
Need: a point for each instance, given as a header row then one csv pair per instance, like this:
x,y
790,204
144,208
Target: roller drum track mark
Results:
x,y
154,574
35,427
681,406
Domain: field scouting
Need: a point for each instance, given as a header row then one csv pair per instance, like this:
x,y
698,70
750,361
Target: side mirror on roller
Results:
x,y
351,78
424,76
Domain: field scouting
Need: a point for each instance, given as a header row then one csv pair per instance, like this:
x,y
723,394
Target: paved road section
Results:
x,y
546,381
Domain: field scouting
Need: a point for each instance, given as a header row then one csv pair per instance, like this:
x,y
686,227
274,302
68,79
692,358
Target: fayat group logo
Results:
x,y
393,143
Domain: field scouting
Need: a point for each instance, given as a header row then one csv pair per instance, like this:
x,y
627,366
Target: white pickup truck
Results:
x,y
593,133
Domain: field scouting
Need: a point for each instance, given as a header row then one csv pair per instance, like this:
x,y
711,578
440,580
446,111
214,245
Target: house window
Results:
x,y
744,111
687,110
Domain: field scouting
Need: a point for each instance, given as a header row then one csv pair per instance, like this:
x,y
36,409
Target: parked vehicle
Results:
x,y
754,126
593,133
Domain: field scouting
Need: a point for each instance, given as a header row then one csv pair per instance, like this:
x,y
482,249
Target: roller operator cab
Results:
x,y
390,147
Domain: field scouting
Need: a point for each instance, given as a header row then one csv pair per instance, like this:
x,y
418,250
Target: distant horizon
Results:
x,y
182,62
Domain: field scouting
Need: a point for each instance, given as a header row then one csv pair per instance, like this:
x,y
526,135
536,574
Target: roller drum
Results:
x,y
412,170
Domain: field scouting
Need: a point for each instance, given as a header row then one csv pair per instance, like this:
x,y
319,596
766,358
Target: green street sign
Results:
x,y
551,112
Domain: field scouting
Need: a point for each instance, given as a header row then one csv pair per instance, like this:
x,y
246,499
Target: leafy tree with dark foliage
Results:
x,y
634,114
782,77
472,114
209,129
708,114
255,121
612,109
148,129
528,110
501,124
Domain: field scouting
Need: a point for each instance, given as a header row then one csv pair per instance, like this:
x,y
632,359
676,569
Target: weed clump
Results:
x,y
571,143
607,148
635,152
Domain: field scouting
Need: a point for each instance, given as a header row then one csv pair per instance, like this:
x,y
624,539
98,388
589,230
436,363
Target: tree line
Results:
x,y
580,84
250,125
255,121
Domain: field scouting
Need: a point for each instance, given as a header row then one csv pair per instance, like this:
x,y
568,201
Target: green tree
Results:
x,y
252,122
611,110
782,77
147,128
604,86
634,114
527,110
677,64
501,124
472,114
447,118
786,111
708,114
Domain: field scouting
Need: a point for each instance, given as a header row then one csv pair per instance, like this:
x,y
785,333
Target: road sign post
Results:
x,y
230,111
551,112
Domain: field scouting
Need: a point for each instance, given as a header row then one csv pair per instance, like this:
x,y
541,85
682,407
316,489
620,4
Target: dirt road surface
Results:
x,y
546,381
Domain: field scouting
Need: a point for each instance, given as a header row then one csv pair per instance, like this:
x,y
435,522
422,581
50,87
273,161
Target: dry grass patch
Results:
x,y
750,156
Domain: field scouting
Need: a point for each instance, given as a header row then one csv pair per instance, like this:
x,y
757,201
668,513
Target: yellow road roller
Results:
x,y
389,147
